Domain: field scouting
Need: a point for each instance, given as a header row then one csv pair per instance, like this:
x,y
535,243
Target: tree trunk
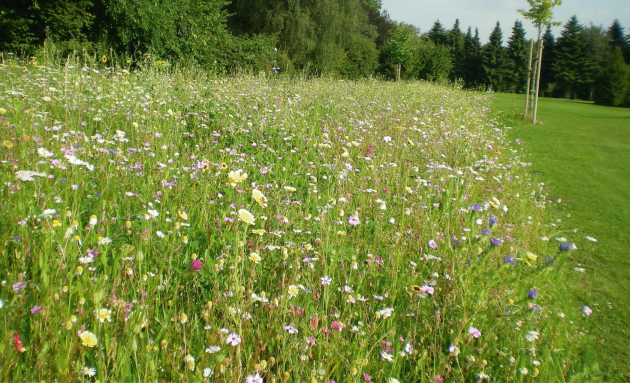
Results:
x,y
540,50
529,76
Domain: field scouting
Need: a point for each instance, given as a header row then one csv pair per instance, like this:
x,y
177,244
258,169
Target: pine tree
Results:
x,y
437,34
546,70
517,56
493,60
573,66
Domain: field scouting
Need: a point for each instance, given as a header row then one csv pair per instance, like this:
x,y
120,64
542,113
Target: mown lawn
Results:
x,y
581,152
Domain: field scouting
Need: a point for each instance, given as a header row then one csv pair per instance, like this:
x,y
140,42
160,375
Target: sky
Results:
x,y
484,14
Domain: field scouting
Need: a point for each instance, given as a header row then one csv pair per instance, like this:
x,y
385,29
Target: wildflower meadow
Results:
x,y
166,225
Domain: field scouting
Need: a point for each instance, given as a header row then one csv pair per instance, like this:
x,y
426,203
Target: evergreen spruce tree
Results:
x,y
472,71
546,70
612,84
493,60
616,38
437,34
455,40
572,67
517,56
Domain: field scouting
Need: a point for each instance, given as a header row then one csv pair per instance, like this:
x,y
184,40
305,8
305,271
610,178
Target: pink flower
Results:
x,y
587,310
196,265
290,329
254,379
35,310
337,325
233,339
474,332
18,286
427,289
433,244
353,220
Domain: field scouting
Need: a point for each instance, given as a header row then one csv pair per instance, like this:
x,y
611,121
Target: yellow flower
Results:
x,y
183,318
293,291
290,189
56,223
182,214
236,177
532,256
259,197
259,231
88,339
104,315
7,144
246,216
2,111
255,258
104,59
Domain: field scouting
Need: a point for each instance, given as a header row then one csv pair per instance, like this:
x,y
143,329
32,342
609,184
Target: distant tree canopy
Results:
x,y
346,38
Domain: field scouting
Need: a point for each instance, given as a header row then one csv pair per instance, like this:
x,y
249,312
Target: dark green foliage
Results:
x,y
167,29
572,66
328,36
455,40
26,23
434,62
398,51
517,56
473,70
612,85
437,34
493,60
549,55
381,21
616,38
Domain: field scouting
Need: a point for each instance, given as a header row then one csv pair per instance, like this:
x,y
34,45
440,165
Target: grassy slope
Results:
x,y
581,152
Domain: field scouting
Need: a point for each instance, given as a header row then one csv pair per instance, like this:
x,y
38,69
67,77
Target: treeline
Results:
x,y
347,38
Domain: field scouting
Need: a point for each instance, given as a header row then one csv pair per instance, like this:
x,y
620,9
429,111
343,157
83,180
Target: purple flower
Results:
x,y
509,259
486,232
549,259
474,332
18,286
567,246
432,244
533,293
35,309
290,329
587,310
493,220
476,207
496,241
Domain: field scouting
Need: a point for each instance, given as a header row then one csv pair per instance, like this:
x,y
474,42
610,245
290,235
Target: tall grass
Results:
x,y
166,225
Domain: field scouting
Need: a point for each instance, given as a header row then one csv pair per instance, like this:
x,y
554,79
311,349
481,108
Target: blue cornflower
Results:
x,y
496,241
